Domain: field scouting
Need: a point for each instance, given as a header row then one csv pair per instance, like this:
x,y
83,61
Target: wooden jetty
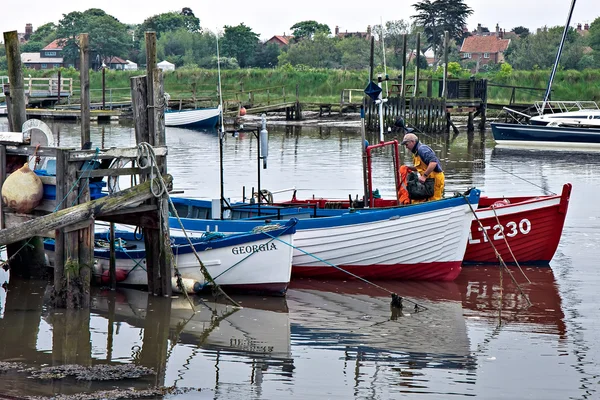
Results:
x,y
70,217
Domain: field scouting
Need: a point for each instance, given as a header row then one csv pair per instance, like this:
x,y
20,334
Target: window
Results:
x,y
56,65
486,55
50,53
467,55
44,66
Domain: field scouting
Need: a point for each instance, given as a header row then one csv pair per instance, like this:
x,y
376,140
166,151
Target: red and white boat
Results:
x,y
521,229
532,226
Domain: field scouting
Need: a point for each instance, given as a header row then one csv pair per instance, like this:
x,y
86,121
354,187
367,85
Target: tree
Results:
x,y
239,42
266,55
594,35
394,32
169,22
44,34
437,16
521,31
355,52
321,52
307,29
108,37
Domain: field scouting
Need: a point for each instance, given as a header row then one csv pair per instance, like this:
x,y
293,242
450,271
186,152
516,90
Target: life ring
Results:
x,y
265,196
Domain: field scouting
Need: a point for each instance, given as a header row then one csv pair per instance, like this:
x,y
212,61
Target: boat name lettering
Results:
x,y
254,248
498,231
250,345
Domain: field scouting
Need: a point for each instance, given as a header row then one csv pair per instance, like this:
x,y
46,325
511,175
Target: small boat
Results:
x,y
419,242
256,262
194,118
528,136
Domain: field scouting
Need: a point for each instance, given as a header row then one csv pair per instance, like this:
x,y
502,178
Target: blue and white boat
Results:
x,y
257,261
195,118
425,241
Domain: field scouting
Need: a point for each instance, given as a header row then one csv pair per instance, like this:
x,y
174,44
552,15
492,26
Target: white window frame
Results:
x,y
467,55
486,55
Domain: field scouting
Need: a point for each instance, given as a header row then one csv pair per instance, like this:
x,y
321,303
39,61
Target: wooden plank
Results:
x,y
96,173
139,87
127,198
102,154
84,78
15,76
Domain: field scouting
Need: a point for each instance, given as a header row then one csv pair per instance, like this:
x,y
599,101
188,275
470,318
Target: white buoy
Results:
x,y
22,190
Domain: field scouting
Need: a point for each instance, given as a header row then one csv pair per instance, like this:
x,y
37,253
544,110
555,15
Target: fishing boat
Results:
x,y
256,261
419,242
193,118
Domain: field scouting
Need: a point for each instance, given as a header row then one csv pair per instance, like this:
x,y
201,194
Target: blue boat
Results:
x,y
531,136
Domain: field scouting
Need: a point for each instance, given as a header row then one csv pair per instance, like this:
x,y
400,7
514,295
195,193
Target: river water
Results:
x,y
338,340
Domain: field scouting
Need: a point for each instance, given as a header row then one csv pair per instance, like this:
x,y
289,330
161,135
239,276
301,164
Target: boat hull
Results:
x,y
247,263
418,242
524,231
547,136
196,118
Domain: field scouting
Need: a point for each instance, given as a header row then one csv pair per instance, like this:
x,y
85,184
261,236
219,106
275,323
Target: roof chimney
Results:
x,y
479,29
578,27
337,30
586,27
497,29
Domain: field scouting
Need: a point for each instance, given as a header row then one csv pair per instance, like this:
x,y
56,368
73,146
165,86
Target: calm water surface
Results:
x,y
339,339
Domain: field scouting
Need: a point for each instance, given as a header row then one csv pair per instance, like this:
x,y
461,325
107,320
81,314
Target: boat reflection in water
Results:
x,y
338,338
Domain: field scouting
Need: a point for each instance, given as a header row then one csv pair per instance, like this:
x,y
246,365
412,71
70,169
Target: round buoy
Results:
x,y
242,111
501,203
22,190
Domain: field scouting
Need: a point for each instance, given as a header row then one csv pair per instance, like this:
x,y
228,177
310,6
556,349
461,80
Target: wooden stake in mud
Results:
x,y
84,75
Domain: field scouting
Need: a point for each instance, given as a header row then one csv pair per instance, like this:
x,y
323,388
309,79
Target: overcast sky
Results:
x,y
272,17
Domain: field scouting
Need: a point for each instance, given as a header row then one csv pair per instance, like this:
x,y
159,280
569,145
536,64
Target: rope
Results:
x,y
146,157
508,246
500,260
523,179
396,299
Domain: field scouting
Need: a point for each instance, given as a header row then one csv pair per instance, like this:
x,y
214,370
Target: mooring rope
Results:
x,y
396,299
147,156
508,246
500,260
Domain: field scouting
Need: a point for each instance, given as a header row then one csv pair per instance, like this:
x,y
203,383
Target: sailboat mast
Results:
x,y
558,53
221,131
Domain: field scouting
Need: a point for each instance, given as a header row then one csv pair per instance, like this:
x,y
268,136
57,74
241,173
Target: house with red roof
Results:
x,y
484,49
48,58
280,40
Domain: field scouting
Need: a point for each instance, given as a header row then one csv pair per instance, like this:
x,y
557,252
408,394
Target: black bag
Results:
x,y
417,190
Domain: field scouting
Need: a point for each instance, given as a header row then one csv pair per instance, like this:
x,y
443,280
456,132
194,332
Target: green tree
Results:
x,y
108,37
539,50
355,52
321,52
44,34
521,31
239,42
394,32
307,29
593,37
32,47
169,22
437,16
266,55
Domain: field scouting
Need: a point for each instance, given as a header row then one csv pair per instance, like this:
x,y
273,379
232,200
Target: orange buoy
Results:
x,y
242,111
22,190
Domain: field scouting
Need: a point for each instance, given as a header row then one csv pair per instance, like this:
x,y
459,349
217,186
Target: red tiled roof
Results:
x,y
114,60
285,40
484,44
56,44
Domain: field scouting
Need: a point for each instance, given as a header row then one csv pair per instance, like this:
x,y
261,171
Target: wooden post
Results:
x,y
103,86
139,101
372,59
429,86
18,114
445,83
112,266
84,76
418,51
59,84
483,110
403,81
158,251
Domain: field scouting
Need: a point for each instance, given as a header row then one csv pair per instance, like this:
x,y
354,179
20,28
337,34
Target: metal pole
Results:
x,y
103,86
363,144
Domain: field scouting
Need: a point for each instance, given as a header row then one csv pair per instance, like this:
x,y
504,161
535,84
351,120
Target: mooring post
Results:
x,y
18,114
403,81
84,79
158,252
417,69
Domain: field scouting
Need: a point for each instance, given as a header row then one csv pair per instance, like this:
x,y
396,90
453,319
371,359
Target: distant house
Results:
x,y
484,47
166,66
48,58
428,56
343,35
280,41
116,63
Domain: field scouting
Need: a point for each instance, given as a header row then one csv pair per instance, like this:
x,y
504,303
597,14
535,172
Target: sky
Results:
x,y
271,17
